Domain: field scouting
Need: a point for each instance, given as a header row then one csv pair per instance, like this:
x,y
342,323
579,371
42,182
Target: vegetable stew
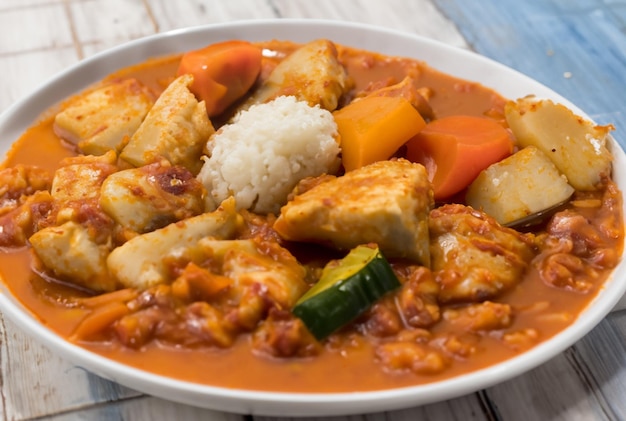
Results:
x,y
117,234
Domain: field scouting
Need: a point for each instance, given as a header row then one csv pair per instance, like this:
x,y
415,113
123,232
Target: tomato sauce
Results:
x,y
346,364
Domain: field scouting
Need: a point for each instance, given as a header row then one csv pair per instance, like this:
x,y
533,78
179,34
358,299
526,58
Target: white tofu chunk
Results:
x,y
81,177
312,73
281,276
176,128
70,253
141,262
150,197
101,120
386,203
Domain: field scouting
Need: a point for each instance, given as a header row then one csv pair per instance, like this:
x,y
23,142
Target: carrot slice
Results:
x,y
223,72
374,128
204,283
99,319
456,149
120,295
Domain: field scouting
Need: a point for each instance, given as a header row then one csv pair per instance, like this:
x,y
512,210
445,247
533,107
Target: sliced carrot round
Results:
x,y
456,149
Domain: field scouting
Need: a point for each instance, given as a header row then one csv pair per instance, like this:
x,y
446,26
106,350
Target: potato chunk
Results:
x,y
385,203
144,199
141,262
71,254
100,120
176,128
312,73
576,146
519,186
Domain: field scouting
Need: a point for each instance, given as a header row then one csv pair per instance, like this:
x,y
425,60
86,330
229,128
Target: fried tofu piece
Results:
x,y
150,197
81,177
312,74
142,261
102,120
18,183
76,247
18,222
176,128
280,276
475,258
70,252
386,203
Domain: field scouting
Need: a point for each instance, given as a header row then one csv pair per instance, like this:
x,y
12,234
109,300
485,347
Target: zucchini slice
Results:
x,y
345,290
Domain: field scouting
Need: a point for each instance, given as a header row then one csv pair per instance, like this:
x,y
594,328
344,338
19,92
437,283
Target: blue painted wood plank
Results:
x,y
576,47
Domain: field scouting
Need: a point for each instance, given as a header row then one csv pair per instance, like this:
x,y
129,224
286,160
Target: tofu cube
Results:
x,y
68,251
176,129
386,203
102,120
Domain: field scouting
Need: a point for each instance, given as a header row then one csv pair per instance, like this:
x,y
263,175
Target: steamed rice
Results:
x,y
266,150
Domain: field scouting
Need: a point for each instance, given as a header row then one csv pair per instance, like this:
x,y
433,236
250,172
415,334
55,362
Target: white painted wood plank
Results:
x,y
25,4
179,14
145,408
48,32
34,69
117,21
418,17
28,58
36,382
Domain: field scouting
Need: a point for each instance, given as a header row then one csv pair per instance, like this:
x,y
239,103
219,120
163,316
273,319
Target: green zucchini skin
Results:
x,y
341,303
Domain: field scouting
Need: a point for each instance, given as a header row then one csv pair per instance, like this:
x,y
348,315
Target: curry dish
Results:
x,y
306,218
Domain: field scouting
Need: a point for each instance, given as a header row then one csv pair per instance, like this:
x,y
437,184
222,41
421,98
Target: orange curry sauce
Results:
x,y
348,363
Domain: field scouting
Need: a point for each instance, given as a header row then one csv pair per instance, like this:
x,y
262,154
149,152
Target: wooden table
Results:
x,y
576,47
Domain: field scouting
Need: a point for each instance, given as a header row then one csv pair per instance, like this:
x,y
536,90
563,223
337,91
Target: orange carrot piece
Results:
x,y
99,319
223,72
121,295
456,149
374,128
181,288
204,283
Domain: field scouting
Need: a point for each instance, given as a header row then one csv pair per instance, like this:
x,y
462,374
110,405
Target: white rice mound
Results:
x,y
260,157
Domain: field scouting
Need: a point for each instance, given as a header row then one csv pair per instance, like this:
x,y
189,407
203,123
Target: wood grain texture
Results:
x,y
576,47
36,382
417,17
583,383
143,408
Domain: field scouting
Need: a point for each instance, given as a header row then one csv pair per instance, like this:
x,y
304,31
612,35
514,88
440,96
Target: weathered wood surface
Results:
x,y
576,47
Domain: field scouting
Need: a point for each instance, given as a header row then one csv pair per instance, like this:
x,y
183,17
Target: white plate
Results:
x,y
451,60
